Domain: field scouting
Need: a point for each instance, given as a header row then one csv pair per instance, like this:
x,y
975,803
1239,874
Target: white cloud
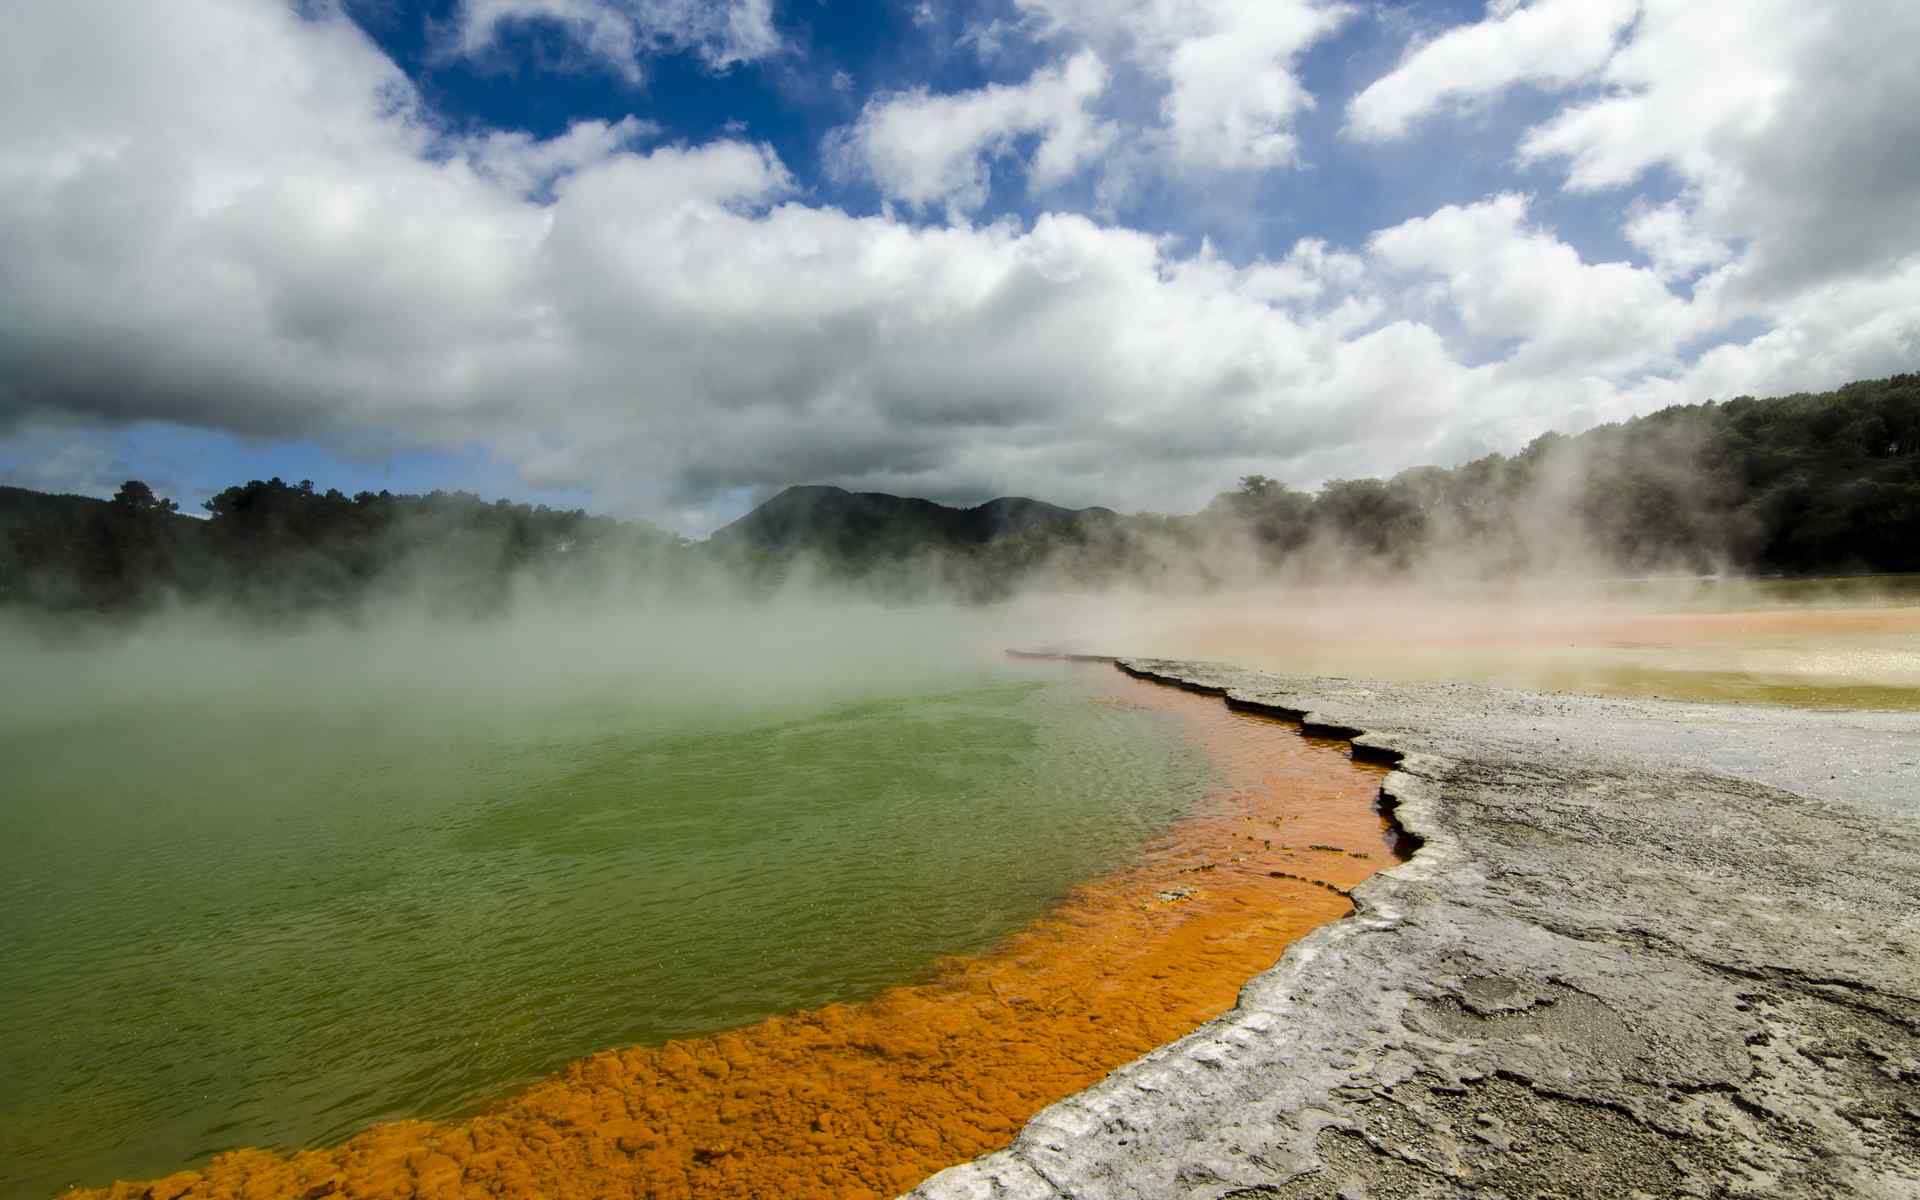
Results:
x,y
1233,93
1506,279
1670,236
1784,124
1776,117
1228,67
1829,334
1691,79
1547,42
239,219
295,252
249,218
936,151
1787,122
623,33
1311,273
529,165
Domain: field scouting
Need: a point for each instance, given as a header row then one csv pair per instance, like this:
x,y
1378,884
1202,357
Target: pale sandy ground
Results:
x,y
1832,644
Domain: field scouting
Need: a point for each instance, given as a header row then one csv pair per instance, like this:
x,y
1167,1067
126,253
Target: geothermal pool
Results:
x,y
528,907
274,924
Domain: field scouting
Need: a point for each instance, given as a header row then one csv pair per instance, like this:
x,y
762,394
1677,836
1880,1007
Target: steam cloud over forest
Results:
x,y
1799,484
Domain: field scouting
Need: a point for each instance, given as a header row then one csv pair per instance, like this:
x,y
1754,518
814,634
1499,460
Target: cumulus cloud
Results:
x,y
299,252
244,219
1776,116
1505,279
936,151
529,166
1233,94
1780,121
1834,332
1690,81
623,33
1547,42
1228,67
1670,236
1310,273
1785,121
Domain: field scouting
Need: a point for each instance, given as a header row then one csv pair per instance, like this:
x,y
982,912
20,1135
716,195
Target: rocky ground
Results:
x,y
1644,949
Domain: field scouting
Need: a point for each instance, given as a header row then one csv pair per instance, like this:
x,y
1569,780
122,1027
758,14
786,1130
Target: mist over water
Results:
x,y
266,890
267,887
1846,642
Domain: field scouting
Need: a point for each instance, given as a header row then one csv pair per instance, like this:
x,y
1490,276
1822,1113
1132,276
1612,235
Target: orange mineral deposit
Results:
x,y
866,1100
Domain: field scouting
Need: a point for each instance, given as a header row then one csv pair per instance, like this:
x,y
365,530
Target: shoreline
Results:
x,y
1644,948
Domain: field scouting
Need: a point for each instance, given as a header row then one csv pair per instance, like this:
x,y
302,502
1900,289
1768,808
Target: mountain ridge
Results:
x,y
822,517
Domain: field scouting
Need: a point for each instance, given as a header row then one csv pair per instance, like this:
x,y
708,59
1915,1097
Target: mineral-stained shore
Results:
x,y
1646,949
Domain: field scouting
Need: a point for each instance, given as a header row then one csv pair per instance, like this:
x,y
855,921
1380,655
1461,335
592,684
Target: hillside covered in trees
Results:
x,y
1803,484
1799,485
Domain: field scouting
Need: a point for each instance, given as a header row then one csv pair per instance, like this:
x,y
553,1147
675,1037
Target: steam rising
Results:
x,y
1598,561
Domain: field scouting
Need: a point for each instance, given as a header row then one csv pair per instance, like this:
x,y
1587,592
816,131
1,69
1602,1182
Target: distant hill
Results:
x,y
1801,485
869,526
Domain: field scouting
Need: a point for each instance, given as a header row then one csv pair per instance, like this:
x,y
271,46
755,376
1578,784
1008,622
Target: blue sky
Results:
x,y
659,258
533,79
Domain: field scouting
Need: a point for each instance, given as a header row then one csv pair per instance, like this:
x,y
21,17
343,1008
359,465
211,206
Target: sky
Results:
x,y
662,258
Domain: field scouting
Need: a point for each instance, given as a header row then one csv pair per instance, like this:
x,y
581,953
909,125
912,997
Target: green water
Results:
x,y
273,922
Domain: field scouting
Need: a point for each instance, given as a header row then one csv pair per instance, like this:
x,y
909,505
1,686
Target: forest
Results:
x,y
1796,485
273,549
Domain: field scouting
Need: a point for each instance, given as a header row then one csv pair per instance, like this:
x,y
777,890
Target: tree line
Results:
x,y
1807,484
1803,484
274,548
